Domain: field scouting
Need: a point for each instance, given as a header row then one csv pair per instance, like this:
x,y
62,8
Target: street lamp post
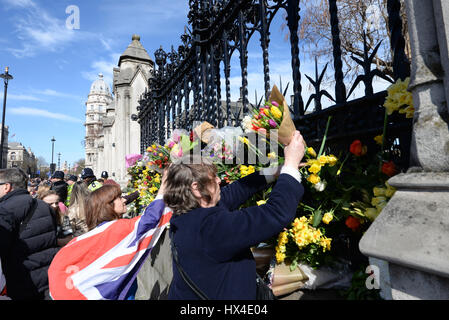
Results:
x,y
6,77
52,165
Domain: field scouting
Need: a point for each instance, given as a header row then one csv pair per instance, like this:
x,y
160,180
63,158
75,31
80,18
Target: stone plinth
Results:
x,y
412,234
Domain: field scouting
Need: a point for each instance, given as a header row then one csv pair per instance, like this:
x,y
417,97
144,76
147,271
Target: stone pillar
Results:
x,y
411,233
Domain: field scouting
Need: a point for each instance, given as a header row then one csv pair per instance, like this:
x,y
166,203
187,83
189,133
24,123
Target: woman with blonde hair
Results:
x,y
77,205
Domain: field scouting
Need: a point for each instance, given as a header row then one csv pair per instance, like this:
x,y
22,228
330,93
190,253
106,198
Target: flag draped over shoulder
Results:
x,y
103,263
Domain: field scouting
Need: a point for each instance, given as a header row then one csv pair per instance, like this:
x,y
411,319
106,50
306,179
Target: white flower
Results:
x,y
247,124
320,186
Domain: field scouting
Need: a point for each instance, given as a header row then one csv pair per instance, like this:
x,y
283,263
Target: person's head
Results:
x,y
72,179
42,189
87,175
50,197
57,176
104,175
12,179
191,184
79,194
104,204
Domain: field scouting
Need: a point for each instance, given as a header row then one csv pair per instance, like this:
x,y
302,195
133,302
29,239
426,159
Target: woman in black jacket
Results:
x,y
213,237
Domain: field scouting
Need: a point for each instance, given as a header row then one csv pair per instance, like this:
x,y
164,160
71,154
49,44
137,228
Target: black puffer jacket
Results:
x,y
26,257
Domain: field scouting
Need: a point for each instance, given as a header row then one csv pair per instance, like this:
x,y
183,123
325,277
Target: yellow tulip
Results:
x,y
267,112
261,202
277,114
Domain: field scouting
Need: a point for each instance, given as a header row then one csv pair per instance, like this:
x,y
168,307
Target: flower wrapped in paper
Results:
x,y
273,115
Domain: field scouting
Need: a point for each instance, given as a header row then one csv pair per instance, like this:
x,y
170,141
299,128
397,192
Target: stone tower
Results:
x,y
98,101
121,133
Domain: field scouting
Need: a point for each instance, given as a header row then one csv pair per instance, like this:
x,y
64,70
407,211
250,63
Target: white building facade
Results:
x,y
111,134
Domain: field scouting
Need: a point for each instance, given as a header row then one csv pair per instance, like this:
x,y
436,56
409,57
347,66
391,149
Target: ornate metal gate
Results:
x,y
185,87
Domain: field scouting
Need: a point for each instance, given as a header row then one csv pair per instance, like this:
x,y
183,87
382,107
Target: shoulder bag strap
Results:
x,y
28,216
184,275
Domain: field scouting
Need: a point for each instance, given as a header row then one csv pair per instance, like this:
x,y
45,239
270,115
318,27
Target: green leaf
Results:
x,y
293,265
317,216
324,138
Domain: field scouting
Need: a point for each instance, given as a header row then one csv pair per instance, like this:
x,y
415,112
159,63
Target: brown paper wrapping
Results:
x,y
203,131
287,288
287,127
286,281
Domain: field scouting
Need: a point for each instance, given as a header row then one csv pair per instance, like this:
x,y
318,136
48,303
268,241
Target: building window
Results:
x,y
13,156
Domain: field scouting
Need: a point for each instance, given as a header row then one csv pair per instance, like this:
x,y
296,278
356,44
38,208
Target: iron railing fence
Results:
x,y
186,85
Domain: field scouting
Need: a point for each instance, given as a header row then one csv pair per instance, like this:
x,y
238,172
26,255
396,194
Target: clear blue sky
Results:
x,y
54,66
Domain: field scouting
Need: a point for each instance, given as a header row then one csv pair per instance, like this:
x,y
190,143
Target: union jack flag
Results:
x,y
103,263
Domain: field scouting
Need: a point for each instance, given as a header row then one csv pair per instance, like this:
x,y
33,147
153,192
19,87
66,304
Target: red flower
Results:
x,y
352,223
357,148
191,136
389,168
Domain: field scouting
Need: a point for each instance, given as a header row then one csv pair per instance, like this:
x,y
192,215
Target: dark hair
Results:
x,y
16,177
178,194
100,207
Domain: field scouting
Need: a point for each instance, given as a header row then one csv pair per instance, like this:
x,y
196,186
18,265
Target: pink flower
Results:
x,y
180,152
274,103
272,123
171,144
131,159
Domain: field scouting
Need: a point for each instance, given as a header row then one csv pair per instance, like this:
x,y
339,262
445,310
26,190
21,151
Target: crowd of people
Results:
x,y
49,226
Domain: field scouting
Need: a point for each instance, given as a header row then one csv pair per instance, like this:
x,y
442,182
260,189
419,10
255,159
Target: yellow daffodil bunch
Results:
x,y
371,206
302,234
246,170
315,164
381,197
399,99
280,248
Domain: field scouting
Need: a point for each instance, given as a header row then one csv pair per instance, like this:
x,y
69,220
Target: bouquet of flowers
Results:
x,y
274,115
157,157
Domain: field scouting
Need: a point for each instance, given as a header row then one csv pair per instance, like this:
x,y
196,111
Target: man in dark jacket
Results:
x,y
59,185
27,238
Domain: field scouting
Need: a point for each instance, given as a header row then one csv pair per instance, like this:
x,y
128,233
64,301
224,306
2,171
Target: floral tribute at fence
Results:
x,y
344,193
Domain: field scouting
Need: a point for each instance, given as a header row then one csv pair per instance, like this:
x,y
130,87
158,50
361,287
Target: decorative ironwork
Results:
x,y
318,92
369,74
186,86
